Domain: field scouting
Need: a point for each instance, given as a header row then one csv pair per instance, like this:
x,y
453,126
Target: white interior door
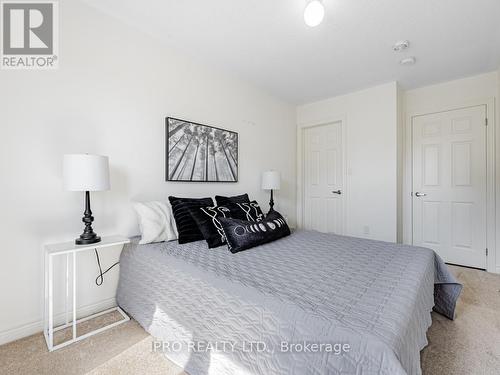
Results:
x,y
449,185
324,182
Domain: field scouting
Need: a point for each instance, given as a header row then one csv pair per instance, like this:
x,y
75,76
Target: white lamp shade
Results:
x,y
271,180
84,172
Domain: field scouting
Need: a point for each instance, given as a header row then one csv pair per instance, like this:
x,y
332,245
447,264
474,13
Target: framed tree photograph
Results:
x,y
200,153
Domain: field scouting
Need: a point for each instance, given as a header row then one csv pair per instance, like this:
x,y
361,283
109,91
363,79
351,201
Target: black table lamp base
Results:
x,y
271,202
88,236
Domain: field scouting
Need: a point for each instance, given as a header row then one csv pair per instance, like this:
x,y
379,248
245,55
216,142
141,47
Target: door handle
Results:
x,y
419,194
337,192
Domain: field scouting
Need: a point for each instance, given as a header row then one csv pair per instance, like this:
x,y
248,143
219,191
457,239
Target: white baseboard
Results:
x,y
20,332
498,269
37,327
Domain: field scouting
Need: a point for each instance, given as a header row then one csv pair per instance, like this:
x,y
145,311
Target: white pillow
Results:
x,y
156,222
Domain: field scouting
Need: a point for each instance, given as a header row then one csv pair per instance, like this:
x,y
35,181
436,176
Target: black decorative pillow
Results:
x,y
224,201
246,211
207,219
186,226
242,235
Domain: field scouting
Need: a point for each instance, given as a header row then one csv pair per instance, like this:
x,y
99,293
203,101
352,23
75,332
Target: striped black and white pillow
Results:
x,y
186,226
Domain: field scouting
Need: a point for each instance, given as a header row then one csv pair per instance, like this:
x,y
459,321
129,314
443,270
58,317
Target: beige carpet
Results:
x,y
469,345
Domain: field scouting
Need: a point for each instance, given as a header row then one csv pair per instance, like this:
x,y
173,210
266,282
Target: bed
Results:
x,y
310,303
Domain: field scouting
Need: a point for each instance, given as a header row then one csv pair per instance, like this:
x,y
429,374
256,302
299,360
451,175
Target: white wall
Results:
x,y
497,149
110,96
400,161
371,120
480,89
457,92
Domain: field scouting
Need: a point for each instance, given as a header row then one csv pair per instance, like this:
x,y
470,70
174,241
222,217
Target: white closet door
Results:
x,y
449,185
324,198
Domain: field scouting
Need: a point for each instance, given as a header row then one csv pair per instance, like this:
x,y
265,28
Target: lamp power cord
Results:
x,y
100,278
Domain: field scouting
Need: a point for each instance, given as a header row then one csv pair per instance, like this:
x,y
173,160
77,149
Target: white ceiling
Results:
x,y
267,43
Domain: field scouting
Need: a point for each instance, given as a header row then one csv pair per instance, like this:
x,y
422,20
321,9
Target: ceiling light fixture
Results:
x,y
314,13
408,61
401,45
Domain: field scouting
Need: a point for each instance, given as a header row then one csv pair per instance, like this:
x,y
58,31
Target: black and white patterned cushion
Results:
x,y
186,226
242,235
246,211
207,219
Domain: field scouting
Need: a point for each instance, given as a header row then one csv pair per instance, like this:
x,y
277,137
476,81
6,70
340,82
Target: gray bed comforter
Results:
x,y
310,303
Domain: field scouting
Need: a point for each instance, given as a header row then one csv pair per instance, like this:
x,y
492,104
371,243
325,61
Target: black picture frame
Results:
x,y
197,152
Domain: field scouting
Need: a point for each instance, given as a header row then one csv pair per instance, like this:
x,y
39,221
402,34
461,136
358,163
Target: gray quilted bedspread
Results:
x,y
287,307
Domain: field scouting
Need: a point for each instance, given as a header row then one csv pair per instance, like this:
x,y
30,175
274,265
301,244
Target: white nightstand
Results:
x,y
69,249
